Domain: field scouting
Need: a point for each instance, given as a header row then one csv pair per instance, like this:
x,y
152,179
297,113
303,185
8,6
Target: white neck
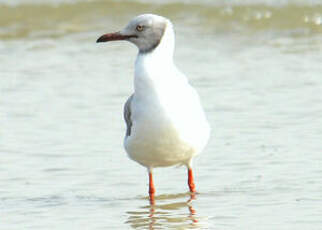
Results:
x,y
155,70
165,49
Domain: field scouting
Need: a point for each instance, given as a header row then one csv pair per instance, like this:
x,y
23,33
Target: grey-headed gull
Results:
x,y
166,124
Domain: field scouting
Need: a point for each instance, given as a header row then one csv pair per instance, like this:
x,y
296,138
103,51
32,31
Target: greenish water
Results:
x,y
257,67
26,20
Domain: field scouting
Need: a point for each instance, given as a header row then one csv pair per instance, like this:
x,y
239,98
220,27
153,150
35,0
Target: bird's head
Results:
x,y
145,31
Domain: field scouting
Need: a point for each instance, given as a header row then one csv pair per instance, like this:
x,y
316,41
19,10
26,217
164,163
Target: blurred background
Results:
x,y
257,67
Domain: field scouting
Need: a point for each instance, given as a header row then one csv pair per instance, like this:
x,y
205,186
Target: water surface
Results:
x,y
257,67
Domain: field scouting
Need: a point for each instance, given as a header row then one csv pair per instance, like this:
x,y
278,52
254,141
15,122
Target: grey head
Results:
x,y
145,31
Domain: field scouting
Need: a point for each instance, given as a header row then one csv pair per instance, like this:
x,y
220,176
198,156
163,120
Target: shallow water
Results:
x,y
257,68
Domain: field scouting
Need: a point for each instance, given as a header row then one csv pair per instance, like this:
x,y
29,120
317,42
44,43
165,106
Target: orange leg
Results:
x,y
191,183
151,188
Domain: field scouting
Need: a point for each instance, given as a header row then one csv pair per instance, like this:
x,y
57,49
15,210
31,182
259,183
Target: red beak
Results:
x,y
114,37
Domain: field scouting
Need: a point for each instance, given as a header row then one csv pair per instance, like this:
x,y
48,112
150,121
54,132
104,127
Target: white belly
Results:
x,y
155,145
166,131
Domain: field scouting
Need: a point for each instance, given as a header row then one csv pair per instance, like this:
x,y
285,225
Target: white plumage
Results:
x,y
166,123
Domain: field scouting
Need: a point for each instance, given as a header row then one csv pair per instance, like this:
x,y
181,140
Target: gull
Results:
x,y
166,124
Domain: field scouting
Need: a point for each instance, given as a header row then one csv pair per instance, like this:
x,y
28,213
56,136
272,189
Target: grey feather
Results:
x,y
127,115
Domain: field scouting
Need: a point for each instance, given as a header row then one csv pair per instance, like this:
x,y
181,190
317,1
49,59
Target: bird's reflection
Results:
x,y
165,211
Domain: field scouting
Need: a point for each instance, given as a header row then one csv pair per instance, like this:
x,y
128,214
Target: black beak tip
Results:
x,y
99,40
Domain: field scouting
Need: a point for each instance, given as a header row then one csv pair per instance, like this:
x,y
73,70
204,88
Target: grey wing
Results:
x,y
127,115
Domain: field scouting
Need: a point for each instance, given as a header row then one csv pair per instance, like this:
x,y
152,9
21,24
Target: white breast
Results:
x,y
168,123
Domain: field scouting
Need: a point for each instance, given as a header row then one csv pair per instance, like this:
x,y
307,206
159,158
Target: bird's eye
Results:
x,y
139,28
